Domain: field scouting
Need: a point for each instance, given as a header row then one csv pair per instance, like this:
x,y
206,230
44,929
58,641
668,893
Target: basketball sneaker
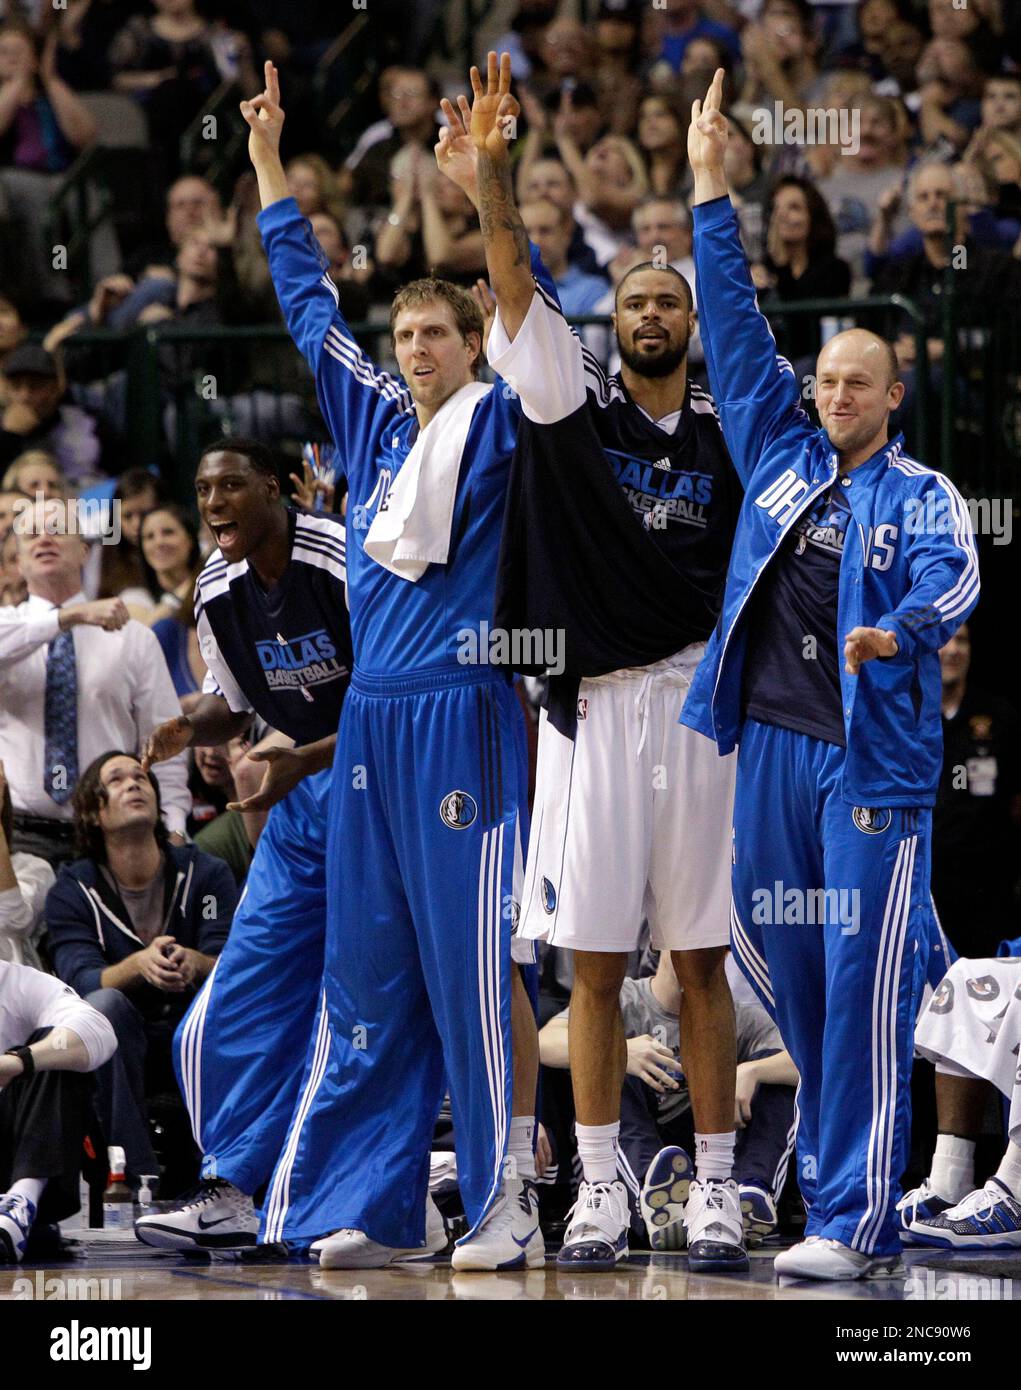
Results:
x,y
509,1237
715,1228
987,1219
758,1213
818,1257
16,1216
919,1205
597,1227
351,1249
664,1193
216,1215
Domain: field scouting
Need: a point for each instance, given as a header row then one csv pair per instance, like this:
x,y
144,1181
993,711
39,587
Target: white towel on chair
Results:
x,y
411,529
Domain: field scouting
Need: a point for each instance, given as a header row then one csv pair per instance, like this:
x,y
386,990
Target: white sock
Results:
x,y
32,1188
714,1157
520,1147
1009,1171
952,1175
597,1149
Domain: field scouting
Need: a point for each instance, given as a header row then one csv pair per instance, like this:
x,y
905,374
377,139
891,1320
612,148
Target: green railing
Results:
x,y
170,389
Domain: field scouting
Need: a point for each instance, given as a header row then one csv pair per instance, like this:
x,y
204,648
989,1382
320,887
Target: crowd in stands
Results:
x,y
928,96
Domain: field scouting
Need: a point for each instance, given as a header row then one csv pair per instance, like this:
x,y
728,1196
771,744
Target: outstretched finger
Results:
x,y
714,96
492,74
476,81
466,112
505,73
272,84
452,117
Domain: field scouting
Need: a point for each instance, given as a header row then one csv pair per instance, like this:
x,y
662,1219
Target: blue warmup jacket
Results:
x,y
909,563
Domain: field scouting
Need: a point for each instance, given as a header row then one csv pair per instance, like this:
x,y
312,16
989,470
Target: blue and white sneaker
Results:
x,y
510,1236
16,1216
664,1193
597,1228
918,1205
758,1213
987,1219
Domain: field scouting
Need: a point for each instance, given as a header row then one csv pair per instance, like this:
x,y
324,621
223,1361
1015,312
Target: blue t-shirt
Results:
x,y
173,638
792,662
580,293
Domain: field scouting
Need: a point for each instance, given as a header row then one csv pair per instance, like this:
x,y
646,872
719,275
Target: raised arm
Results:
x,y
755,390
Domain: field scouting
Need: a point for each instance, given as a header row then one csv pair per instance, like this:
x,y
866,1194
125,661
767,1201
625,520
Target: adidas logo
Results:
x,y
662,463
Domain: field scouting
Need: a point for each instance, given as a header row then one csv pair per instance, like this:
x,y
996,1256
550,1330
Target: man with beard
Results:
x,y
621,512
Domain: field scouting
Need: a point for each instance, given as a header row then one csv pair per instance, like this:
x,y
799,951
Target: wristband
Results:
x,y
25,1056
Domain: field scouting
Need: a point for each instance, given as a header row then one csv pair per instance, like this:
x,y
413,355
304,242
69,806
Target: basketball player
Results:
x,y
845,547
621,512
273,630
426,829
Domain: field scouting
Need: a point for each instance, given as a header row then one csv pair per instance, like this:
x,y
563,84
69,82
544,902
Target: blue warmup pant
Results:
x,y
240,1049
425,850
842,975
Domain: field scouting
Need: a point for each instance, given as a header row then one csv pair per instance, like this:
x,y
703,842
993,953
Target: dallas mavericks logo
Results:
x,y
984,988
458,810
871,821
943,999
549,896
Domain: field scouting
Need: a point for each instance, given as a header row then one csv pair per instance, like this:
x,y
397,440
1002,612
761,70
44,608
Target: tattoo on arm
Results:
x,y
497,209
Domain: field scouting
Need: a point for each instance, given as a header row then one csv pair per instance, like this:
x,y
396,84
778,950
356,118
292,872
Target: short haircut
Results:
x,y
651,199
259,455
90,795
666,270
467,314
892,365
133,482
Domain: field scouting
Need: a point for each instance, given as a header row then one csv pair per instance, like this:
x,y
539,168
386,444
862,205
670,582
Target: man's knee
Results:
x,y
701,971
599,973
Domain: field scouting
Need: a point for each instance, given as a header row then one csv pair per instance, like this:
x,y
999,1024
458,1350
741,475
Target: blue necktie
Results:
x,y
60,756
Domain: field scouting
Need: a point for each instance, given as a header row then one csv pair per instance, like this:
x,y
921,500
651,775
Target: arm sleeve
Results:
x,y
220,894
755,390
545,362
218,679
942,567
74,938
154,700
19,636
357,399
21,908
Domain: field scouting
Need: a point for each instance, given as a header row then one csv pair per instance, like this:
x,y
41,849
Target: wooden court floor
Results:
x,y
121,1270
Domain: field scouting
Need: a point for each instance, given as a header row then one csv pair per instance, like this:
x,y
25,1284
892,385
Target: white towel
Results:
x,y
411,529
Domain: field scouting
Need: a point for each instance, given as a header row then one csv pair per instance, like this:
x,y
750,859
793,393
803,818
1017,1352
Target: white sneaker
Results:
x,y
715,1227
349,1249
664,1193
509,1237
819,1257
596,1235
215,1216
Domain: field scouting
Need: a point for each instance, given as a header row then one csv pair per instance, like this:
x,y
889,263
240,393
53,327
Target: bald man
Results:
x,y
852,565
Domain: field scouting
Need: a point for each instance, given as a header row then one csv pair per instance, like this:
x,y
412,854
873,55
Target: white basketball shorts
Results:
x,y
632,819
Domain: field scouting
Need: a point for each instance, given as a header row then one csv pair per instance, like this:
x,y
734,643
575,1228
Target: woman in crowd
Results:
x,y
662,139
171,558
800,261
35,472
431,229
120,571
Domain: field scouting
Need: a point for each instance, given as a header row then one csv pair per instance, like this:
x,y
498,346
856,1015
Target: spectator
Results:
x,y
656,1106
192,203
171,558
36,473
1001,104
662,139
524,39
10,504
120,574
43,125
900,51
951,20
232,835
351,280
167,63
950,86
568,56
800,262
575,113
748,185
412,107
314,187
549,178
618,48
170,909
46,1035
75,677
549,227
685,21
779,55
662,230
25,879
40,415
997,155
180,646
431,229
976,827
611,181
12,331
85,34
12,586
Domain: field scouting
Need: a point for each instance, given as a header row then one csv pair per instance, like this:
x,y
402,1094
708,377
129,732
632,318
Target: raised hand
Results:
x,y
707,133
456,155
493,109
167,740
265,118
484,298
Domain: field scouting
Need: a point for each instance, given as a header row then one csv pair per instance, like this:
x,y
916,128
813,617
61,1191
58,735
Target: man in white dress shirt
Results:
x,y
76,679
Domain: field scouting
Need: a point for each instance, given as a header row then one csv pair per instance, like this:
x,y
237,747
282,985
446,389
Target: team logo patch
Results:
x,y
870,820
984,988
943,999
458,810
549,896
515,915
583,707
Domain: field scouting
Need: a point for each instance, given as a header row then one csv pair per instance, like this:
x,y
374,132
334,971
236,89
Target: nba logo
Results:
x,y
583,708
